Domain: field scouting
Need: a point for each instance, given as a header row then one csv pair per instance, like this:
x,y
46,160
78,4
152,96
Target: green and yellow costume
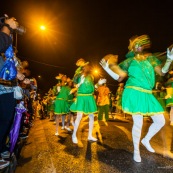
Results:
x,y
137,97
85,101
61,102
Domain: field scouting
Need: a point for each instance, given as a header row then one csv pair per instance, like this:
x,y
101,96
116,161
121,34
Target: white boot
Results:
x,y
57,125
136,156
146,143
76,125
56,134
63,121
136,135
158,123
91,124
74,139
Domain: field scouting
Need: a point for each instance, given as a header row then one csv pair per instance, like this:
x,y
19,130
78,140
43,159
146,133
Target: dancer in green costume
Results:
x,y
119,98
85,102
137,98
61,103
169,96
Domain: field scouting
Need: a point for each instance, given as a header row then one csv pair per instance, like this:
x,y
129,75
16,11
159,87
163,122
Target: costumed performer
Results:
x,y
61,103
103,100
140,70
85,102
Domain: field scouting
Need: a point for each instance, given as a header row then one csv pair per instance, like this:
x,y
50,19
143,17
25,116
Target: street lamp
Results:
x,y
42,27
96,72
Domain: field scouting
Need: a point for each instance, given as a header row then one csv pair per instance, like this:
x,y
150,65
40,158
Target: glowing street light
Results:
x,y
42,27
96,71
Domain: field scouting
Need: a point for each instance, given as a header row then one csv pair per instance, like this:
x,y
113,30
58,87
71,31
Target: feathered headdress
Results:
x,y
136,41
80,63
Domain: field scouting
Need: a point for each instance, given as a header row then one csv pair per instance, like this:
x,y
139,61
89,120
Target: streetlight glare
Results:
x,y
42,27
96,71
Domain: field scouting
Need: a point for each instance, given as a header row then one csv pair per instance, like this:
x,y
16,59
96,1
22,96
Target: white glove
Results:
x,y
73,90
96,86
169,60
58,88
105,66
101,81
170,54
81,81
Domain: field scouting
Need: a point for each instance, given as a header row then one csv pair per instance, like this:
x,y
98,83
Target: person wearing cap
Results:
x,y
103,100
137,98
85,102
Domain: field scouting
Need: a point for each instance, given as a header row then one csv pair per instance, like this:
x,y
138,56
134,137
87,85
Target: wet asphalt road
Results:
x,y
113,153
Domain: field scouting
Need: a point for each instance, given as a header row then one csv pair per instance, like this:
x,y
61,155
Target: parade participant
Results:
x,y
119,97
140,70
169,96
85,102
61,104
103,100
51,106
70,101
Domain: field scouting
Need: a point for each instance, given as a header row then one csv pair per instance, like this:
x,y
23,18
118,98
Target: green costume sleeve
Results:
x,y
154,61
130,54
125,64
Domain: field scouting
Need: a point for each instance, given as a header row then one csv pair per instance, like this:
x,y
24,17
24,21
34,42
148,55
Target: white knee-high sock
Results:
x,y
91,124
77,122
68,119
158,123
136,131
57,122
63,120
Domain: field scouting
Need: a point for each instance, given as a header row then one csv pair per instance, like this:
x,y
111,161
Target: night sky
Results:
x,y
87,29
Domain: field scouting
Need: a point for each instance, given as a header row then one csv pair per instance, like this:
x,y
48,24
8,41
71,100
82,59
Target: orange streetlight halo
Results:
x,y
42,27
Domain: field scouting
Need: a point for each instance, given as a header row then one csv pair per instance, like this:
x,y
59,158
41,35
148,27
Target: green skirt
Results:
x,y
140,102
61,106
84,103
160,100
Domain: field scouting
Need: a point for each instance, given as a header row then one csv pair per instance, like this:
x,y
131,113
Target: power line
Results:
x,y
45,63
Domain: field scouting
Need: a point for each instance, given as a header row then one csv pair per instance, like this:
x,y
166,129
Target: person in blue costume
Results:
x,y
7,101
140,69
85,102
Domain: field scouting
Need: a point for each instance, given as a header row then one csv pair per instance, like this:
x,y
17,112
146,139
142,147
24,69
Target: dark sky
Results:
x,y
87,29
